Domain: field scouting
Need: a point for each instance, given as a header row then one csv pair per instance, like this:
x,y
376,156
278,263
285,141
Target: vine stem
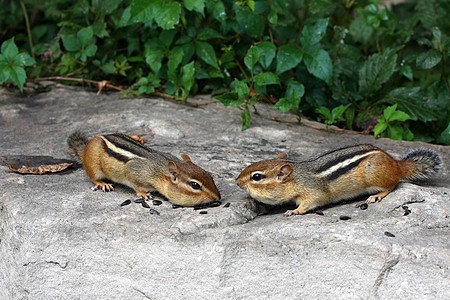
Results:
x,y
27,22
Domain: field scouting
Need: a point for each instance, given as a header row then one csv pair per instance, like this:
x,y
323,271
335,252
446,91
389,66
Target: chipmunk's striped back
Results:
x,y
336,163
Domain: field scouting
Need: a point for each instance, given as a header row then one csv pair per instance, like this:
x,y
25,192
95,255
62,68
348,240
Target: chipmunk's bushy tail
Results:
x,y
77,143
420,163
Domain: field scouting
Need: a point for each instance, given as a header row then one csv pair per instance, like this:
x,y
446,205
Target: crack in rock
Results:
x,y
63,266
388,265
142,293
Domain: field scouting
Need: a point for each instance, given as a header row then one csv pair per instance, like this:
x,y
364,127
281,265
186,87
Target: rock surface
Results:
x,y
61,240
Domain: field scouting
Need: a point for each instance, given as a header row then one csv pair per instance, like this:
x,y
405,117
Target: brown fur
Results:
x,y
121,159
333,176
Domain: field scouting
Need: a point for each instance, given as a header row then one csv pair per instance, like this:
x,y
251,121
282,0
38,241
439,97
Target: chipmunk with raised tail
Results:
x,y
340,174
123,159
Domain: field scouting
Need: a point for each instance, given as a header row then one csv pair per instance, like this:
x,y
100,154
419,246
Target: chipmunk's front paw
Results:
x,y
145,196
298,211
377,197
106,187
373,199
291,213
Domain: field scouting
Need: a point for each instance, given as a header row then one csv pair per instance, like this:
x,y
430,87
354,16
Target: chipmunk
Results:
x,y
123,159
333,176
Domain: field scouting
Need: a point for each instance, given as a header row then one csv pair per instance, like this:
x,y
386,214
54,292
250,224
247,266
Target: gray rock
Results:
x,y
61,240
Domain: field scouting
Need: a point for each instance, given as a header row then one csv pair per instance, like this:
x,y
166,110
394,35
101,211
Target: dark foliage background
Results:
x,y
354,64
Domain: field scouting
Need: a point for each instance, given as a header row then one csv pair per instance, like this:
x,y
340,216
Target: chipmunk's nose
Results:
x,y
218,197
240,182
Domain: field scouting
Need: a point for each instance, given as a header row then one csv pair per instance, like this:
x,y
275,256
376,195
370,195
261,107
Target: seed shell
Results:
x,y
363,206
387,233
126,202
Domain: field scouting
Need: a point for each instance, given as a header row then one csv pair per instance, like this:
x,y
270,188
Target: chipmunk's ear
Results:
x,y
281,155
284,172
174,171
185,157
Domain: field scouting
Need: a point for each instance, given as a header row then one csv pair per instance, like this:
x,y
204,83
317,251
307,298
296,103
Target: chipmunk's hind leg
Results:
x,y
381,181
94,168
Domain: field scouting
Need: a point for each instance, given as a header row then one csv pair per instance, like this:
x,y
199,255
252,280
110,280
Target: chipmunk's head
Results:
x,y
268,181
189,185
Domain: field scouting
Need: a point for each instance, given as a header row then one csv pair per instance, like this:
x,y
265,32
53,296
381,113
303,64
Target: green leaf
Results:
x,y
175,58
230,99
407,134
379,128
209,33
90,50
167,36
437,34
288,103
254,99
109,67
18,76
250,22
85,35
312,34
266,78
407,72
217,10
410,100
399,116
337,112
373,21
360,31
188,50
241,88
444,137
167,14
324,111
143,10
24,59
294,87
154,57
388,111
273,17
125,18
375,71
251,58
288,57
266,53
12,63
428,60
246,118
206,53
4,71
318,63
349,116
395,132
187,78
9,49
71,43
195,5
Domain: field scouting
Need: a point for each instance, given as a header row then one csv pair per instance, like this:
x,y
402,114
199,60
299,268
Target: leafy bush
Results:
x,y
353,64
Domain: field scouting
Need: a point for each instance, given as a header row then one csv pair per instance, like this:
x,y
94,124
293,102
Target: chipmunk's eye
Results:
x,y
257,176
195,185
